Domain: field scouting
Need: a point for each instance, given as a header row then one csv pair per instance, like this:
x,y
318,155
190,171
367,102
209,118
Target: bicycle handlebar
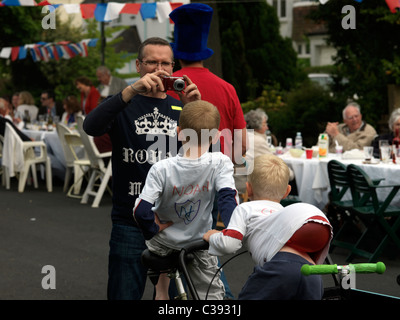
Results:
x,y
196,246
378,267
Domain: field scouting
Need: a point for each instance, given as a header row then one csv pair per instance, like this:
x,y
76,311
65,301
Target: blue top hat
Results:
x,y
192,25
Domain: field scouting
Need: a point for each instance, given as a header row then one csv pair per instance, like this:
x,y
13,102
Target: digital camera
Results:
x,y
173,83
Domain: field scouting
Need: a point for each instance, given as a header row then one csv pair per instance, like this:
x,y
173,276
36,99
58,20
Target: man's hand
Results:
x,y
191,92
208,234
161,225
332,129
150,83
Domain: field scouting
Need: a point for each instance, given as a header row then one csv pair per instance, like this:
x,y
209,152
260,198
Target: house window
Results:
x,y
299,47
280,7
283,9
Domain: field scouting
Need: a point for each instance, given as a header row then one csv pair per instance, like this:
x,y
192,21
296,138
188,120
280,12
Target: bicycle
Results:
x,y
342,289
175,266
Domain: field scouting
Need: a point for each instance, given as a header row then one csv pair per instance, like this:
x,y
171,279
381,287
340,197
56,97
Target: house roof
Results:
x,y
303,25
130,41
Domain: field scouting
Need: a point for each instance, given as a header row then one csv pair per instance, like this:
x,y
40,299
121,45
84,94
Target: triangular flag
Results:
x,y
11,3
50,51
88,10
60,51
72,8
65,53
27,3
34,54
22,52
100,12
74,48
148,10
14,53
92,42
44,53
394,5
44,3
55,52
69,51
83,47
5,52
113,10
37,52
131,8
163,11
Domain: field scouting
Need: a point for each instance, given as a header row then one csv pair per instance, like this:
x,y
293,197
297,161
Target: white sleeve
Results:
x,y
230,240
221,244
153,186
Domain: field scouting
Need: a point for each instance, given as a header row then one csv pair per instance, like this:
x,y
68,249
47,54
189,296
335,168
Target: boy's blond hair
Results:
x,y
270,177
200,115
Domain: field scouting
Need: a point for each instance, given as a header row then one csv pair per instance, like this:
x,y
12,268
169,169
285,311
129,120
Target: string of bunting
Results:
x,y
105,12
44,51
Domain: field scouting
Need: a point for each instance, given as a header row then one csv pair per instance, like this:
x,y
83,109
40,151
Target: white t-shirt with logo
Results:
x,y
183,191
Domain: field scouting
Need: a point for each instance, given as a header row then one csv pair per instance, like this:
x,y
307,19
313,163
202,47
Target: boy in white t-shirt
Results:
x,y
280,240
175,205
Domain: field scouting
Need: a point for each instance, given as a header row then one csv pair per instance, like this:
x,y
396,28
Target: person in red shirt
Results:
x,y
89,95
192,26
90,98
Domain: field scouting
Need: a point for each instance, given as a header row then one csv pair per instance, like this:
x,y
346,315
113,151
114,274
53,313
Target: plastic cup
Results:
x,y
309,153
289,143
385,154
368,151
339,150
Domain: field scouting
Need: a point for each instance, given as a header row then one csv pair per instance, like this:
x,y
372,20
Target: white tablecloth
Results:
x,y
313,181
54,149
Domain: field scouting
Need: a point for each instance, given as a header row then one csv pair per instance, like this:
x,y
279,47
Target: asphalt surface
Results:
x,y
40,229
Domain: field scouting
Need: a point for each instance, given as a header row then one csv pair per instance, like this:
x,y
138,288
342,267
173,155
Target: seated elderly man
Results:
x,y
353,133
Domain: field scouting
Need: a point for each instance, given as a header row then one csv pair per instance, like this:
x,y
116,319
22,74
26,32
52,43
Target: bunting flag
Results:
x,y
106,12
43,51
394,5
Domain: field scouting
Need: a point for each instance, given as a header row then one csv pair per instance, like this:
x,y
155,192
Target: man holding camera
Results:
x,y
141,121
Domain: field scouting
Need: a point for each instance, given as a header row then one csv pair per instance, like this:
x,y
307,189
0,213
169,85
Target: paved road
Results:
x,y
39,229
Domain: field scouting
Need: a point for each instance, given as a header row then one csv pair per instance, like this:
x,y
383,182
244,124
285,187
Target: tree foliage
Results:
x,y
364,54
253,52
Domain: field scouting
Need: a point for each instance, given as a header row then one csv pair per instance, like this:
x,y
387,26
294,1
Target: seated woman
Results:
x,y
394,126
72,110
26,106
258,121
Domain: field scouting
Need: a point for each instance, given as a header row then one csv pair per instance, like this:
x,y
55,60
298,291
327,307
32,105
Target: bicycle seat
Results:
x,y
157,263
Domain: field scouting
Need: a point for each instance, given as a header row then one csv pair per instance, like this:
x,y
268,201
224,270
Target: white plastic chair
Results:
x,y
99,170
19,156
75,163
81,165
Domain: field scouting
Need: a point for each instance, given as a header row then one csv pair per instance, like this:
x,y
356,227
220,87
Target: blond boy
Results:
x,y
174,208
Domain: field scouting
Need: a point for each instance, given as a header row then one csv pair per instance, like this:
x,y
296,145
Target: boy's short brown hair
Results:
x,y
270,177
200,115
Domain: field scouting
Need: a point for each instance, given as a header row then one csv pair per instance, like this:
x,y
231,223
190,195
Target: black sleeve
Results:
x,y
144,217
100,119
226,204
